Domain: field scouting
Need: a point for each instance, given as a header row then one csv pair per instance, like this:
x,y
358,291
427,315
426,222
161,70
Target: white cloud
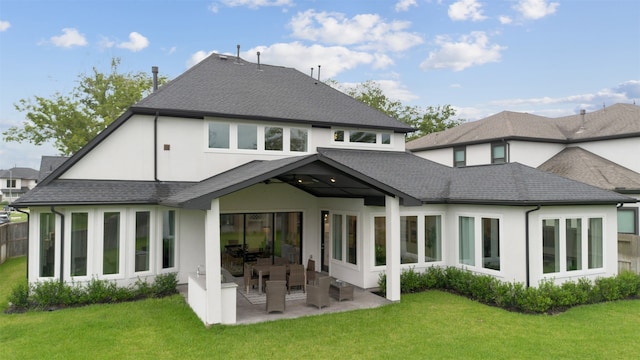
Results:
x,y
136,42
505,20
365,31
333,59
214,8
70,38
535,9
4,25
404,5
252,4
469,50
106,43
466,10
197,57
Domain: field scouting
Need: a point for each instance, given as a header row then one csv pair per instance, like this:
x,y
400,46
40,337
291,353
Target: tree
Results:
x,y
426,121
74,119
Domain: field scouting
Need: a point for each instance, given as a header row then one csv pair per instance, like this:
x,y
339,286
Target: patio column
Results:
x,y
392,209
212,263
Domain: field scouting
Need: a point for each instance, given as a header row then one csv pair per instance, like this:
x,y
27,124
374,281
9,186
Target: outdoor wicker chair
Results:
x,y
278,273
250,280
311,272
263,261
318,295
295,277
276,293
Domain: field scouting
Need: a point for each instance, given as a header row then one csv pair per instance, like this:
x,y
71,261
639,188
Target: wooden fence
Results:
x,y
14,239
629,252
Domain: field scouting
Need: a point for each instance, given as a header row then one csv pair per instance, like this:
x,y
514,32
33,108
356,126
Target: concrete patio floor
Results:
x,y
248,313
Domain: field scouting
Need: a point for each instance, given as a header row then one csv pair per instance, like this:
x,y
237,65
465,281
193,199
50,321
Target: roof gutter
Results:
x,y
53,210
526,241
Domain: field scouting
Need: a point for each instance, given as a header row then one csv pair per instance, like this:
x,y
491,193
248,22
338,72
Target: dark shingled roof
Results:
x,y
231,87
361,173
618,120
48,164
19,173
581,165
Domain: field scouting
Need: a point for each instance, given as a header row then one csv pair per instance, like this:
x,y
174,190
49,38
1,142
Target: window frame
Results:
x,y
161,235
87,244
456,150
122,222
478,243
343,231
505,158
634,211
234,129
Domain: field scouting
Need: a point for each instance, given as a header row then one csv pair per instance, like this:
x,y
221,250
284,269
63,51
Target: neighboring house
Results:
x,y
599,148
233,161
48,164
16,182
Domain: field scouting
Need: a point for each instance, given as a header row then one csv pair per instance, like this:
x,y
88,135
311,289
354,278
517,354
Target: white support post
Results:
x,y
212,263
392,209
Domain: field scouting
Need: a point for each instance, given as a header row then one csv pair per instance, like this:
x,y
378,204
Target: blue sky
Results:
x,y
546,57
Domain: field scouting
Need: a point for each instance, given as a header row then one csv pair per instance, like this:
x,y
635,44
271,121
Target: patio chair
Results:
x,y
318,295
250,280
278,273
276,293
263,261
295,277
311,271
281,261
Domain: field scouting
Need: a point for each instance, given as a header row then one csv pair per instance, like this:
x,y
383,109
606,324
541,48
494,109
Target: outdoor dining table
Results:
x,y
262,270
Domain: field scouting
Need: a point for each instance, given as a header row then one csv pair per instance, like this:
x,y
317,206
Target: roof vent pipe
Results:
x,y
154,71
238,53
258,53
582,113
312,72
318,72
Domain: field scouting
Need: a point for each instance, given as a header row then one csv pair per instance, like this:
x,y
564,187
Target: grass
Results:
x,y
432,324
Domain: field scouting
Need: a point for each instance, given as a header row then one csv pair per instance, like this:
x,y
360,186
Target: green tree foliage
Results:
x,y
71,120
426,121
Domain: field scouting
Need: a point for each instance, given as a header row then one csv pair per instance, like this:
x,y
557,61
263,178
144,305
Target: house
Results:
x,y
596,148
16,181
234,161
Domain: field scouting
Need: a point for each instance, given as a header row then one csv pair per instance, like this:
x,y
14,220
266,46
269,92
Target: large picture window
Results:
x,y
47,244
111,243
466,240
143,227
581,240
79,229
408,239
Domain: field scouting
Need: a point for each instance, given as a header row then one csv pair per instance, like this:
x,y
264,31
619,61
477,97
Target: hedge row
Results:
x,y
52,294
546,298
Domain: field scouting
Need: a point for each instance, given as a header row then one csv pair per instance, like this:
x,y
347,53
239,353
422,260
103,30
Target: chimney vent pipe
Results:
x,y
154,71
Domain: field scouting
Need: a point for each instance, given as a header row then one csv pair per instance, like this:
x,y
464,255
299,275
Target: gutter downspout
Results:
x,y
526,241
28,225
53,210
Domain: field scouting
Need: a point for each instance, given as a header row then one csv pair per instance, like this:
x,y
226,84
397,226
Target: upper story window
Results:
x,y
459,156
498,153
11,183
361,137
218,135
628,220
240,136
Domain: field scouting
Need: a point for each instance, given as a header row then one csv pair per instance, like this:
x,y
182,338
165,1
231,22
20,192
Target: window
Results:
x,y
337,237
362,137
79,227
432,238
459,157
11,183
247,137
408,239
574,244
498,153
380,239
273,138
628,220
47,244
338,135
594,240
111,243
168,239
491,243
385,138
298,140
218,135
352,236
466,238
143,227
550,245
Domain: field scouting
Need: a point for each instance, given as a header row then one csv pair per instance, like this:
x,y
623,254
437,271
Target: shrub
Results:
x,y
165,284
19,297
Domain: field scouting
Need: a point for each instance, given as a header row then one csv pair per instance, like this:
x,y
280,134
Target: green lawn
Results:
x,y
433,324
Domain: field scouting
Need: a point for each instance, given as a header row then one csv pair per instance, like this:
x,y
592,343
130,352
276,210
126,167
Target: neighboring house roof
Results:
x,y
232,87
615,121
19,173
357,174
48,164
581,165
